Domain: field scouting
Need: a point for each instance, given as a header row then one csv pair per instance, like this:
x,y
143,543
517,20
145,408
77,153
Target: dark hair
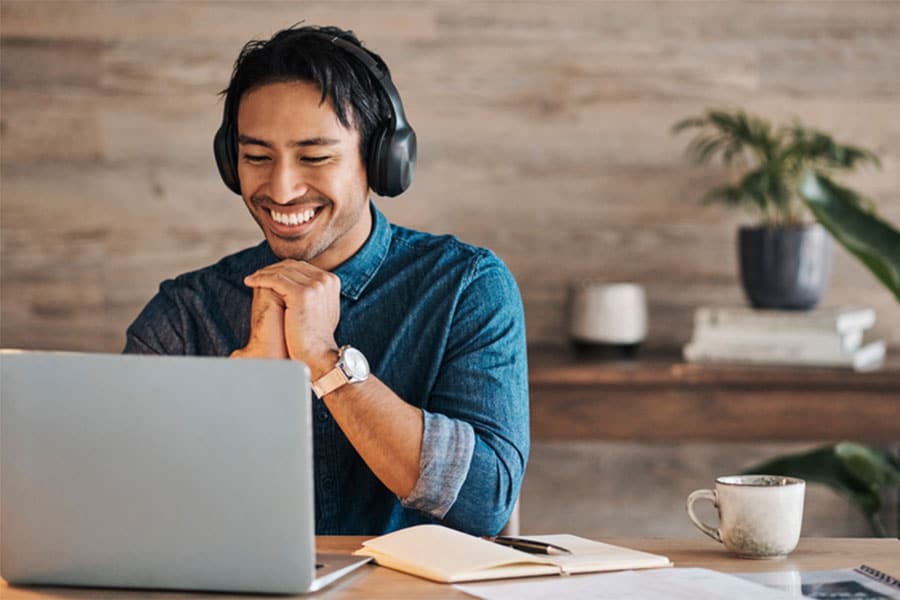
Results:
x,y
306,54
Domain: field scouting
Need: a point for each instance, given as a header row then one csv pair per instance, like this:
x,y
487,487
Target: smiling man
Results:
x,y
415,342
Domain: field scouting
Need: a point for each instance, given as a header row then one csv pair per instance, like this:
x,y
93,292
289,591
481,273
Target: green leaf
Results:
x,y
734,150
874,241
705,150
726,193
754,185
820,149
775,159
701,148
823,465
688,123
869,466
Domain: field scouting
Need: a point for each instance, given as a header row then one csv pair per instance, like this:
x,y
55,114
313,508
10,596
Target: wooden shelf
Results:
x,y
660,398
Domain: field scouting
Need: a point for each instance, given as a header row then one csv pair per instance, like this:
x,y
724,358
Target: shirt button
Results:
x,y
322,416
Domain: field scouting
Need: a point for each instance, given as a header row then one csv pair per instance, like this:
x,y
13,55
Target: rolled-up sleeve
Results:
x,y
476,435
447,447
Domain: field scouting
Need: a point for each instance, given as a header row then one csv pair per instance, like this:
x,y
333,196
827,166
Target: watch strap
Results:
x,y
329,382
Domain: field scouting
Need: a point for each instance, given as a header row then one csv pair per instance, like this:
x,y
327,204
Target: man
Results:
x,y
438,431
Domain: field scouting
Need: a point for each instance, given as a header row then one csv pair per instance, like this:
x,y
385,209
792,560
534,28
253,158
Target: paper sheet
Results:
x,y
662,584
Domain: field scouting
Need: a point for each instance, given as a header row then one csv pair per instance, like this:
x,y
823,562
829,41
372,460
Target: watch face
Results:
x,y
356,364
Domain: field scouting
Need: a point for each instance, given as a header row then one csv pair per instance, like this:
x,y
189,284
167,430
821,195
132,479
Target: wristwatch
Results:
x,y
351,367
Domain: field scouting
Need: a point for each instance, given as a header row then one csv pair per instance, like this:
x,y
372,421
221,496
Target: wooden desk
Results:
x,y
377,582
660,398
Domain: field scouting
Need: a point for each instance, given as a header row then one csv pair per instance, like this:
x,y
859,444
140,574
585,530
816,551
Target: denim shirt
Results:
x,y
442,325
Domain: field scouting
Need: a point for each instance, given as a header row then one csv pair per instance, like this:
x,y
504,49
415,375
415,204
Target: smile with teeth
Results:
x,y
296,218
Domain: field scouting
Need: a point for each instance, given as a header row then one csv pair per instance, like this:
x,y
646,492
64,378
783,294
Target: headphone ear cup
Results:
x,y
375,169
403,151
225,151
392,161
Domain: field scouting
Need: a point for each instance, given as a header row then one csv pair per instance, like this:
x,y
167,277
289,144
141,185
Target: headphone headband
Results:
x,y
381,75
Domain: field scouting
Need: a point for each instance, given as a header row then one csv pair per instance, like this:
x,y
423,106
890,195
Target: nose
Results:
x,y
287,182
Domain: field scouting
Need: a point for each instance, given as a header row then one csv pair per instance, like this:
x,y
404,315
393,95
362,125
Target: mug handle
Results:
x,y
703,495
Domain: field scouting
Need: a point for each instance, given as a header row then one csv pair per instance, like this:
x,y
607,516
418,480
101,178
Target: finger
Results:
x,y
291,292
267,309
299,277
286,282
291,267
265,300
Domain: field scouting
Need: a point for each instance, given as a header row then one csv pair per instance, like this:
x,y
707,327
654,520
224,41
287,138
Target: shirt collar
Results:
x,y
358,270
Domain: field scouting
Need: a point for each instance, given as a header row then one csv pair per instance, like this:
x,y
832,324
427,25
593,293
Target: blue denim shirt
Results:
x,y
441,323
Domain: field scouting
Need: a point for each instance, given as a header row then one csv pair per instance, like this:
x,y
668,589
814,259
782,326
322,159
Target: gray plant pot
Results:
x,y
786,267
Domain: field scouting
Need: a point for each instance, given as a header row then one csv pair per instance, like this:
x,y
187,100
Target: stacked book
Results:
x,y
825,337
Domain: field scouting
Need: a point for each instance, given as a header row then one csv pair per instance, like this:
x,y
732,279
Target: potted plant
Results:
x,y
786,171
863,474
785,260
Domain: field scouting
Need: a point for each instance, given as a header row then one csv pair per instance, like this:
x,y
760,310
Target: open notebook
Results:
x,y
449,556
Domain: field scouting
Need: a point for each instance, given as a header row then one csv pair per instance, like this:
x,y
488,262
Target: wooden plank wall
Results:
x,y
543,128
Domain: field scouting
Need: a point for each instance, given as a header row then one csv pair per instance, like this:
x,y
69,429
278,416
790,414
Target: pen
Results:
x,y
525,545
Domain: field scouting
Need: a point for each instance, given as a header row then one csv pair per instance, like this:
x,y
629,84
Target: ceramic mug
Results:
x,y
759,515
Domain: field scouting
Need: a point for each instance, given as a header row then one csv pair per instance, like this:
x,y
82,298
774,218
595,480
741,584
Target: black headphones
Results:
x,y
391,161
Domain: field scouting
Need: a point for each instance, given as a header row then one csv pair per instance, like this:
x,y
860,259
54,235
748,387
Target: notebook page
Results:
x,y
444,554
589,555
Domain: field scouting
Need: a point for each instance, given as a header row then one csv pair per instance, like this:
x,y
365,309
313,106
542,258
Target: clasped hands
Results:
x,y
296,309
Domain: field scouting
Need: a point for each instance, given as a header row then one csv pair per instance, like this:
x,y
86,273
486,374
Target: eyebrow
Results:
x,y
316,141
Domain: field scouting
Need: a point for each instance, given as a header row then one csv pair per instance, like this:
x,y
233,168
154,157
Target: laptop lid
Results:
x,y
156,472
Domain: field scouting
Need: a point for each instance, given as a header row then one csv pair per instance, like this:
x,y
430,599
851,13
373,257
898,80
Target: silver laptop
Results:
x,y
158,472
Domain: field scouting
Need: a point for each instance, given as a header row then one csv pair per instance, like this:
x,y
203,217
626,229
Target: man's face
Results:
x,y
301,174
